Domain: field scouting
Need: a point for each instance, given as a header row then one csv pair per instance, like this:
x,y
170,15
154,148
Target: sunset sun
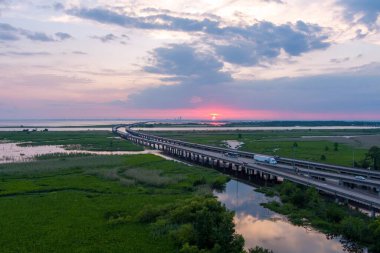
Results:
x,y
213,116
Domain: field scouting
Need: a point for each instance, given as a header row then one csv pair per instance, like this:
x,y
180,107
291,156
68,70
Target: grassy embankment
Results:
x,y
305,206
139,203
85,140
281,143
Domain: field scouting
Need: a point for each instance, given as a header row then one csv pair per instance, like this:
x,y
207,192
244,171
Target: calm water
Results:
x,y
260,226
53,125
234,144
251,128
60,125
62,122
52,129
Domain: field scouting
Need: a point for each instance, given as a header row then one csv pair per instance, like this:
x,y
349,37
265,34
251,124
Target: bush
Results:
x,y
189,249
258,249
151,213
334,213
354,228
200,223
219,183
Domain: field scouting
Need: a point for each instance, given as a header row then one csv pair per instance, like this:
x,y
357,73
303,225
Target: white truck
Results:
x,y
265,159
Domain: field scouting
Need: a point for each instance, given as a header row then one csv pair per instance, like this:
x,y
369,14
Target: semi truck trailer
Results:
x,y
265,159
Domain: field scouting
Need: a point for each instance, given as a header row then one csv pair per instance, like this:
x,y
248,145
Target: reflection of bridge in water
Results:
x,y
329,179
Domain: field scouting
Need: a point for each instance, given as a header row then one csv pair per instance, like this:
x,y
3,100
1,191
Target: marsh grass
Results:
x,y
152,177
60,164
85,140
60,155
87,204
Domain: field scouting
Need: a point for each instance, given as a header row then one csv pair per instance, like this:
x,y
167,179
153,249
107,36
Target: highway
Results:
x,y
250,166
281,160
332,168
368,182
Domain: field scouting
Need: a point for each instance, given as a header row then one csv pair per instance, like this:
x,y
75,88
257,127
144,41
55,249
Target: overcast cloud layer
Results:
x,y
241,59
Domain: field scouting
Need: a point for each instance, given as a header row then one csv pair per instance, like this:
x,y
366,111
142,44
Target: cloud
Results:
x,y
368,10
8,32
58,6
339,60
79,52
3,4
11,33
187,65
37,36
274,1
242,45
25,53
111,37
318,94
106,38
63,36
191,69
264,41
159,21
196,100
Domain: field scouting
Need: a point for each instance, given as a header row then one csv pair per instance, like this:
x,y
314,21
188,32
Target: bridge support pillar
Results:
x,y
373,213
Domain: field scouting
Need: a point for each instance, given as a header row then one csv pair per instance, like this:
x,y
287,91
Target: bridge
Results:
x,y
305,173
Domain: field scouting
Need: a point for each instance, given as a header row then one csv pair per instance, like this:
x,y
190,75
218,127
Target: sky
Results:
x,y
198,59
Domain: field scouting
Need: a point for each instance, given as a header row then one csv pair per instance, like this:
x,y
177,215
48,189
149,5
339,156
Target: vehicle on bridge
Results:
x,y
265,159
231,154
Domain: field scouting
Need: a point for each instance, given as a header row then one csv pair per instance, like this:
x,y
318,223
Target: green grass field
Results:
x,y
86,140
65,205
280,143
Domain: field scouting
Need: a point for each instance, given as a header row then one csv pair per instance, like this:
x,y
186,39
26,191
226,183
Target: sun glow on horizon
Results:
x,y
213,116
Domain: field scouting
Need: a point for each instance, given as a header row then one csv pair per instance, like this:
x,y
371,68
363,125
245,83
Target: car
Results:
x,y
359,177
231,154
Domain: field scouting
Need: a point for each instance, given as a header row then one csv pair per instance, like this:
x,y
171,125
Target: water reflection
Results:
x,y
262,227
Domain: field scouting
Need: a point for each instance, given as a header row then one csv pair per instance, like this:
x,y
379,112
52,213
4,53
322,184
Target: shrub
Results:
x,y
258,249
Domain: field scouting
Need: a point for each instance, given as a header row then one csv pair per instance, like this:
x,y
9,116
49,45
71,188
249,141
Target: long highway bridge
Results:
x,y
338,181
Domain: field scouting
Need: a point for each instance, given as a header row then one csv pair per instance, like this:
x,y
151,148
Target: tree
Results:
x,y
240,136
295,145
354,228
374,157
327,148
323,158
374,227
336,146
200,224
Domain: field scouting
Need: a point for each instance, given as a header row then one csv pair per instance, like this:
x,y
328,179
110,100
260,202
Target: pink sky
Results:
x,y
254,60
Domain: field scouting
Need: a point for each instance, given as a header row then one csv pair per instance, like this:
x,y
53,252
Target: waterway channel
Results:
x,y
260,226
